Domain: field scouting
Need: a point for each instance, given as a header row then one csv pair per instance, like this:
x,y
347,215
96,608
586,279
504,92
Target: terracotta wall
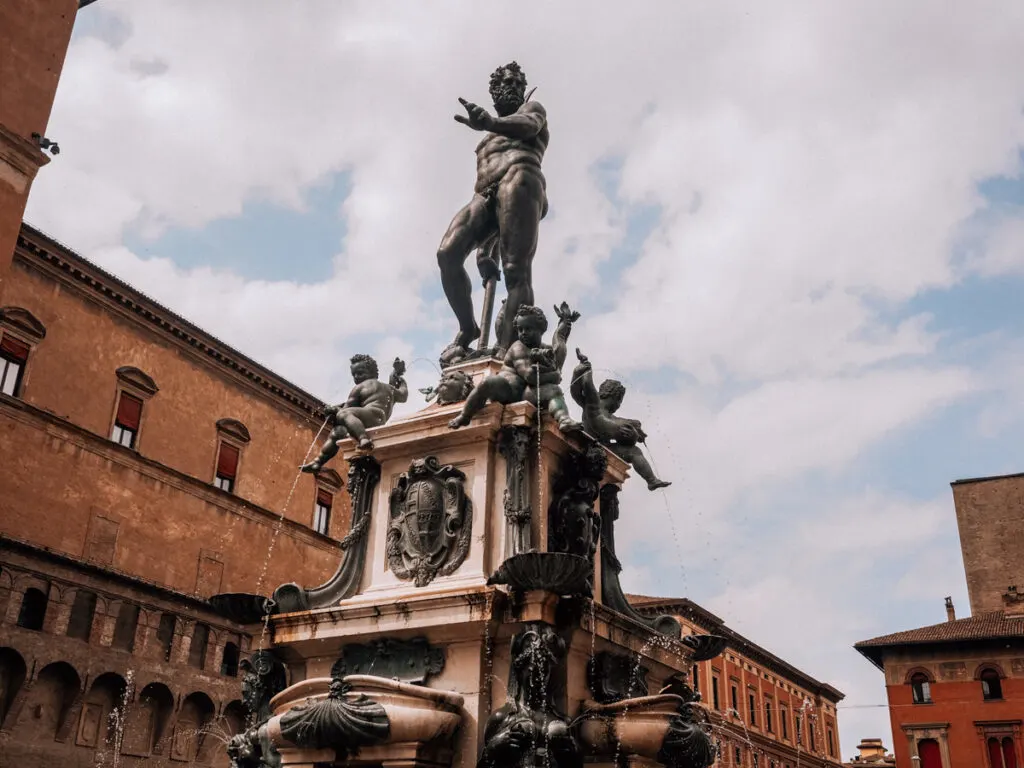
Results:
x,y
34,37
957,699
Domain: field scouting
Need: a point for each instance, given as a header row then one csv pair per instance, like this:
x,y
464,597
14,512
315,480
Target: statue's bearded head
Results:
x,y
508,89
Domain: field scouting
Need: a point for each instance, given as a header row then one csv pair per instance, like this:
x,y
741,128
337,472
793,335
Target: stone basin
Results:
x,y
651,727
416,714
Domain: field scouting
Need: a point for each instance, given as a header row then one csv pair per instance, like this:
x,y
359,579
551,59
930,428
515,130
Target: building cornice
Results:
x,y
714,625
49,256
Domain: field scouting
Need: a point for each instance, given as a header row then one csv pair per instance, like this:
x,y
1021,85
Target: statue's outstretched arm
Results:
x,y
582,386
525,124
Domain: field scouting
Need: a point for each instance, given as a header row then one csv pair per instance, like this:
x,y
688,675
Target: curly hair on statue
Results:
x,y
610,388
531,315
368,361
514,68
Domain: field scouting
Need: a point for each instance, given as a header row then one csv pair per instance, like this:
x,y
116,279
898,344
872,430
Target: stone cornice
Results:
x,y
57,427
21,154
54,259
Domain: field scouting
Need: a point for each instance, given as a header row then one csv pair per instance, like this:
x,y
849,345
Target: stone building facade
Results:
x,y
766,712
956,689
146,467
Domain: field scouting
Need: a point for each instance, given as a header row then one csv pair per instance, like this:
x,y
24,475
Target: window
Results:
x,y
13,355
126,422
165,634
735,699
738,755
831,743
82,613
229,662
752,711
714,693
695,679
991,687
227,467
33,609
768,715
322,514
124,628
810,732
799,728
197,649
921,688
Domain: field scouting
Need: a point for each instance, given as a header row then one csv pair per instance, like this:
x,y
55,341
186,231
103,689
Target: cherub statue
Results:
x,y
599,420
454,387
532,370
369,404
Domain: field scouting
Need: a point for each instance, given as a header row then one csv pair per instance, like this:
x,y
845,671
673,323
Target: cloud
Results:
x,y
814,171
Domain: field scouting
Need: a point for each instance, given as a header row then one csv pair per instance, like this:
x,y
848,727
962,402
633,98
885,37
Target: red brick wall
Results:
x,y
957,698
34,37
990,517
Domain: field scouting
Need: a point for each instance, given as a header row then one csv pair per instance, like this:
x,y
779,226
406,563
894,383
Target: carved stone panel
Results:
x,y
613,677
410,661
431,519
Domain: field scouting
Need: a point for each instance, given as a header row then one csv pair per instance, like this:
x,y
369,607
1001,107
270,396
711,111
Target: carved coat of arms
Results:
x,y
430,523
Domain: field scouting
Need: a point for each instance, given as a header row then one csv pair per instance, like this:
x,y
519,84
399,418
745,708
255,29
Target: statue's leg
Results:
x,y
356,421
560,413
328,450
493,388
521,202
469,227
635,456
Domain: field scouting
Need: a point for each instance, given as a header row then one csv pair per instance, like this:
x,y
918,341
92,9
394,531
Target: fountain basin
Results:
x,y
415,714
652,727
557,572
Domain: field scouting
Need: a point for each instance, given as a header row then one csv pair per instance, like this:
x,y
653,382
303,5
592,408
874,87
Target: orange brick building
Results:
x,y
956,689
766,712
146,466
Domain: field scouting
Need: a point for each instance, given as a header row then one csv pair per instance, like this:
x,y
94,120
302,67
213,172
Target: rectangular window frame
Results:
x,y
783,719
715,700
769,725
14,355
223,477
322,508
121,430
734,696
752,706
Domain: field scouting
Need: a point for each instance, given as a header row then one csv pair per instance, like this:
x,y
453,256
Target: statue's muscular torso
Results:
x,y
496,155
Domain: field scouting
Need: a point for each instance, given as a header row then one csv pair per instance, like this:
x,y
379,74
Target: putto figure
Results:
x,y
369,404
599,419
532,370
509,200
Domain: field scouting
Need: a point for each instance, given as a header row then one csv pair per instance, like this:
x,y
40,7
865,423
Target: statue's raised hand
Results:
x,y
584,365
565,314
397,372
476,117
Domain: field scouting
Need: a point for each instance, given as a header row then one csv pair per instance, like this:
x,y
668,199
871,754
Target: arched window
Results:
x,y
921,688
12,676
197,650
991,686
33,609
165,634
229,662
928,751
82,613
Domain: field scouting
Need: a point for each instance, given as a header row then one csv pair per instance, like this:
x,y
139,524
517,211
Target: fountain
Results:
x,y
476,617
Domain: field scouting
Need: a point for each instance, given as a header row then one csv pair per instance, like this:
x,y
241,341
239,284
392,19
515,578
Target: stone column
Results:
x,y
58,611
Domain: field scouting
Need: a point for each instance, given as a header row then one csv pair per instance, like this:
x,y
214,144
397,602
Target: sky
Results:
x,y
794,230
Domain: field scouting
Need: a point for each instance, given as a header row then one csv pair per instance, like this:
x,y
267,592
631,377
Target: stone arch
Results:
x,y
12,678
32,613
51,696
918,671
102,711
190,732
147,723
987,665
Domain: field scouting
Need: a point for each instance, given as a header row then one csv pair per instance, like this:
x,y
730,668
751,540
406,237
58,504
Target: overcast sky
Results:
x,y
793,230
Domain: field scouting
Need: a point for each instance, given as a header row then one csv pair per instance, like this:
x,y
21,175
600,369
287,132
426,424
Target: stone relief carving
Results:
x,y
431,520
614,677
514,445
409,661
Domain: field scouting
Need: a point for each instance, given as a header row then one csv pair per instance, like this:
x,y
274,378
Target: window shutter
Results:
x,y
14,348
324,497
129,412
227,461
